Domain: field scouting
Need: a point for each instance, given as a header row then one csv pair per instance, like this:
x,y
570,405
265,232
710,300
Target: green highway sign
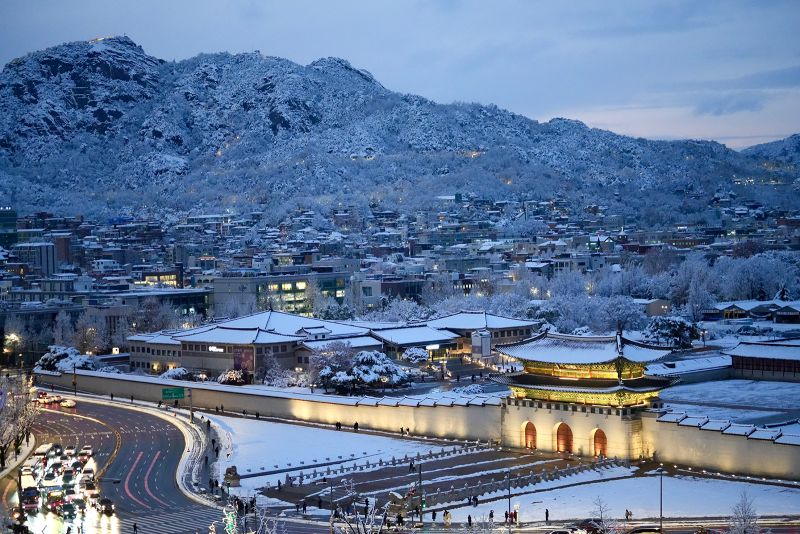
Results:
x,y
171,393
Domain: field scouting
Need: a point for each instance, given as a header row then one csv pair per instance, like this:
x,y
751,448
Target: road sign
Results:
x,y
171,393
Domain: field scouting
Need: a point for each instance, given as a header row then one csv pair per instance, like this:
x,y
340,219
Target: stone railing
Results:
x,y
316,474
468,491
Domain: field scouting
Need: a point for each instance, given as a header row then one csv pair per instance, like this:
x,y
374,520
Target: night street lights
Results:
x,y
660,472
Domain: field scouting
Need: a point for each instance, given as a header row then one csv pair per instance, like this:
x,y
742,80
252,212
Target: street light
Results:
x,y
660,472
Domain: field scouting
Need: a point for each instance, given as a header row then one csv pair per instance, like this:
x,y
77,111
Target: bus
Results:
x,y
30,494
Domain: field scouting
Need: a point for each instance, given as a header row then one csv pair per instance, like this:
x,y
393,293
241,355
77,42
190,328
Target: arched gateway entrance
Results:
x,y
600,443
530,436
564,438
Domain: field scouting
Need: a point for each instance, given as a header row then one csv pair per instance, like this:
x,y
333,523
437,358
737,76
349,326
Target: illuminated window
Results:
x,y
300,285
273,287
286,287
340,293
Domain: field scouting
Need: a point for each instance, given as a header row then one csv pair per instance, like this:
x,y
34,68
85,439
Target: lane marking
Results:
x,y
147,481
128,480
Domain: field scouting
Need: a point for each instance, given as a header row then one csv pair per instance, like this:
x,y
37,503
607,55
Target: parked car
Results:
x,y
71,450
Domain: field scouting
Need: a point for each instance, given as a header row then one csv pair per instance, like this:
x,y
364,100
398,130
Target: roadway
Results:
x,y
136,456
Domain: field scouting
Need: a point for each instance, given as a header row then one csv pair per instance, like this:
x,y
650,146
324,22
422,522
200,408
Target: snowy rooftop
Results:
x,y
359,342
475,320
694,365
780,350
288,324
561,348
414,335
238,336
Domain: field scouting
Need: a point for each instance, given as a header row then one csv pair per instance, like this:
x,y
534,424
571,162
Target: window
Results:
x,y
287,286
299,359
300,285
283,348
366,291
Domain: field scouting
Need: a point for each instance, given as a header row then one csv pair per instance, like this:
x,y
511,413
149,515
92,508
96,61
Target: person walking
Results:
x,y
491,517
469,521
305,507
355,426
433,517
135,528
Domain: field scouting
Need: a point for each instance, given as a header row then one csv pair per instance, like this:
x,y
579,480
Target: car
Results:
x,y
591,525
64,459
645,529
70,494
88,473
89,487
68,403
26,470
79,504
56,449
49,476
67,511
54,500
56,467
105,506
71,450
87,449
77,466
17,514
67,479
92,497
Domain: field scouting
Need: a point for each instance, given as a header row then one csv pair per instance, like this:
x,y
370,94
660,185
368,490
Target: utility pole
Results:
x,y
509,502
660,472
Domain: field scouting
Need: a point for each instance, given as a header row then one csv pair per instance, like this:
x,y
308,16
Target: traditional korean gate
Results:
x,y
564,438
530,436
600,443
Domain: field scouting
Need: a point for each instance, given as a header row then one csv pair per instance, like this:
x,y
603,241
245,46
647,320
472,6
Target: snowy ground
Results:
x,y
768,395
683,497
266,446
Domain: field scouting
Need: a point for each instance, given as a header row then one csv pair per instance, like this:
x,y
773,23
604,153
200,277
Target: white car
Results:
x,y
87,450
71,450
68,403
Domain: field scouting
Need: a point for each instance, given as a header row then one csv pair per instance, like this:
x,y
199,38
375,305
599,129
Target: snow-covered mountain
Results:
x,y
785,151
100,125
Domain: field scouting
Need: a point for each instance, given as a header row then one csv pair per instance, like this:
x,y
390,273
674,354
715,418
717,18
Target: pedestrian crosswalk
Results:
x,y
189,520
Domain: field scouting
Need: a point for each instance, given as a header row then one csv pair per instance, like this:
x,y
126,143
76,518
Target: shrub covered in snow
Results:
x,y
109,369
178,373
64,359
416,355
233,377
368,369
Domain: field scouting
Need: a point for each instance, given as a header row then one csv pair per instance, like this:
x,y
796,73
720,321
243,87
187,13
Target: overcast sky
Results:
x,y
725,70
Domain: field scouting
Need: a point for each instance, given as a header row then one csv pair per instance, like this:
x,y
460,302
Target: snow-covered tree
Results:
x,y
64,359
328,360
329,309
744,519
109,369
674,331
233,377
273,374
416,355
154,316
63,329
622,313
91,332
17,413
399,310
177,373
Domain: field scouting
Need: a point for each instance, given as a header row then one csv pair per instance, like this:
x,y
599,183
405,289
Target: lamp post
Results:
x,y
660,472
509,502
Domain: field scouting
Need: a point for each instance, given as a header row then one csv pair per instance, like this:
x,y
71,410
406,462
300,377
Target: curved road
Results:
x,y
136,457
